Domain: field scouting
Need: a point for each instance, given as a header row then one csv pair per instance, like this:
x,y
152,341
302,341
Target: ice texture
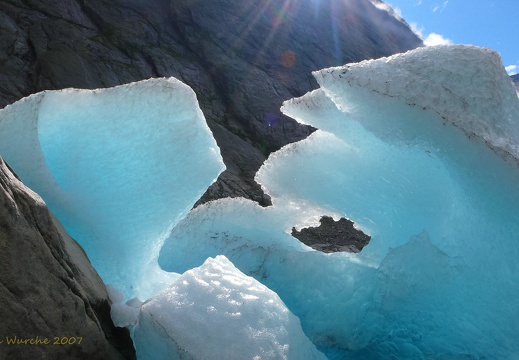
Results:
x,y
123,314
119,167
216,312
430,172
478,97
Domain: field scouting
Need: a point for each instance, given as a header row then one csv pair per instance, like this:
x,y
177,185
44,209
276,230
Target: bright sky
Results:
x,y
488,23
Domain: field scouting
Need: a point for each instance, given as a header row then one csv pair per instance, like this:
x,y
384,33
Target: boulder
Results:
x,y
333,236
53,305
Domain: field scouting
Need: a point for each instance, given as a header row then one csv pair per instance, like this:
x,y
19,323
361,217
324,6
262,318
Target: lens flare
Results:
x,y
276,12
288,58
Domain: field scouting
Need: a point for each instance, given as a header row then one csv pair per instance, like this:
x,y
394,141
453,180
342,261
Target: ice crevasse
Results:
x,y
419,149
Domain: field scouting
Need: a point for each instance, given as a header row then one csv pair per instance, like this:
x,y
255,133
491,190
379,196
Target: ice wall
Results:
x,y
434,181
119,167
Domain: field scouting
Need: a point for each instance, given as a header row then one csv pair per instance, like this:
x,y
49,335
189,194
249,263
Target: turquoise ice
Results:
x,y
119,167
420,150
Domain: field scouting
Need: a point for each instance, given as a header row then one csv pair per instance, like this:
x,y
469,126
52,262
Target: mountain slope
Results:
x,y
242,58
515,81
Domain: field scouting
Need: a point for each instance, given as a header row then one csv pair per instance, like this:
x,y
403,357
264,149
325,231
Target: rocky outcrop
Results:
x,y
242,58
333,236
53,305
515,81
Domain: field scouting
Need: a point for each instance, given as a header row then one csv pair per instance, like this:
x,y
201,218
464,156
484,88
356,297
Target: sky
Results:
x,y
492,24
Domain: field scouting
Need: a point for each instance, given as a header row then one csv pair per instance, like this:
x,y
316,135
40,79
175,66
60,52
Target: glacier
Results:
x,y
119,167
420,150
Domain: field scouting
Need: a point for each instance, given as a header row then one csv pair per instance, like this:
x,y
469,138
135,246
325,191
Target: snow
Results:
x,y
216,312
119,168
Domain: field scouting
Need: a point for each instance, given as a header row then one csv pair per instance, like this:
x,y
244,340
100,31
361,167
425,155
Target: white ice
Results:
x,y
216,312
119,167
430,171
474,96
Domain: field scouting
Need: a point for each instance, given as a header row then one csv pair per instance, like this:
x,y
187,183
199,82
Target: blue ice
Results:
x,y
421,153
420,150
119,168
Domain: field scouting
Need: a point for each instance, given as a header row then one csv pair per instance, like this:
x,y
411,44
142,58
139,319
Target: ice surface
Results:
x,y
477,96
216,312
123,314
425,178
119,167
257,241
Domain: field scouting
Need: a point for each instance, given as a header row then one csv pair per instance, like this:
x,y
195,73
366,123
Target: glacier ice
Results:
x,y
476,98
216,312
257,240
420,150
123,314
119,167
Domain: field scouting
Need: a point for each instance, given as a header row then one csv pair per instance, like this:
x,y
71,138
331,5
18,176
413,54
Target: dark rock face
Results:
x,y
333,236
515,81
48,288
242,58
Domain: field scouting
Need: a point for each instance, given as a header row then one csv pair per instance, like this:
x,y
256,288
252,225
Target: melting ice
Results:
x,y
419,149
118,167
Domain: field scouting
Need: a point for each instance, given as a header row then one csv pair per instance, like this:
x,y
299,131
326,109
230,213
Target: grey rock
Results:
x,y
48,289
333,236
515,81
242,58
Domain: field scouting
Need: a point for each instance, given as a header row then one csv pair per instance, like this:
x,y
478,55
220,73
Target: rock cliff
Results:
x,y
515,81
53,305
242,58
